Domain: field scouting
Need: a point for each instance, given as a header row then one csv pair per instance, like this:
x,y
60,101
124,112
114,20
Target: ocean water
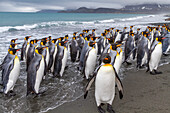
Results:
x,y
39,25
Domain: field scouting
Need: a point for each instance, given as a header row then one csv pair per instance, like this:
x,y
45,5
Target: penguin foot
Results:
x,y
100,109
110,109
128,63
152,73
11,93
165,54
157,72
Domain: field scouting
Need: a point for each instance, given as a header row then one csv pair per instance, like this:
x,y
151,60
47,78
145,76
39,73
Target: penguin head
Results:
x,y
74,38
13,40
138,29
66,37
91,43
93,30
49,37
54,41
74,34
87,30
103,34
27,37
160,38
32,41
36,40
13,51
112,28
107,59
62,43
39,50
132,34
12,45
43,42
131,27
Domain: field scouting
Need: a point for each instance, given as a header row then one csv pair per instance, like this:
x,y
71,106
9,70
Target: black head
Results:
x,y
36,40
39,50
32,41
13,51
91,43
13,45
13,40
27,37
107,59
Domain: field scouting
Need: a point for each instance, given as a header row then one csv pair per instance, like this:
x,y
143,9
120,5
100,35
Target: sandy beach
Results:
x,y
143,93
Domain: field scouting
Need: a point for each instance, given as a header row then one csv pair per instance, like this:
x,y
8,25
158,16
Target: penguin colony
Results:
x,y
99,57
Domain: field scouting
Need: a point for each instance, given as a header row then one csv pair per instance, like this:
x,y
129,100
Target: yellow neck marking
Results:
x,y
107,65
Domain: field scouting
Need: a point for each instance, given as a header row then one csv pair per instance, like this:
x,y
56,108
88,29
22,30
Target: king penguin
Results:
x,y
60,59
156,50
105,78
90,60
35,72
10,72
24,48
74,49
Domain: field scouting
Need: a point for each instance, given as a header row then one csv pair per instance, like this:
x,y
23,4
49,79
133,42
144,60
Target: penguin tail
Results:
x,y
120,94
85,95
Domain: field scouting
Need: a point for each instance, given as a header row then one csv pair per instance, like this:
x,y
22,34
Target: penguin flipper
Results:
x,y
119,85
90,82
88,86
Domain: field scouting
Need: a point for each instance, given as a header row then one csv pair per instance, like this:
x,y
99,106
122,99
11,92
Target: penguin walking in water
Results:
x,y
83,54
155,56
31,52
90,60
10,72
60,59
105,78
24,48
74,49
35,72
52,52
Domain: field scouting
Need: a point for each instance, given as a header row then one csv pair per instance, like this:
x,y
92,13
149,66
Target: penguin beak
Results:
x,y
94,42
65,41
16,39
118,45
163,38
108,38
18,50
106,59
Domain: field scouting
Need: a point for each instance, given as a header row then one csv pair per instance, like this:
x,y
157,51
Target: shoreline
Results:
x,y
143,93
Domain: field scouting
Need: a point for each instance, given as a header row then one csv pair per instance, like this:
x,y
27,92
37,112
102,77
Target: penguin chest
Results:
x,y
39,75
54,55
26,52
154,61
118,62
90,62
47,56
14,74
105,84
64,61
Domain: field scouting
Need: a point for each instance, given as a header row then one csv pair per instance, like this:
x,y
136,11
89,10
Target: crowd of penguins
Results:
x,y
104,52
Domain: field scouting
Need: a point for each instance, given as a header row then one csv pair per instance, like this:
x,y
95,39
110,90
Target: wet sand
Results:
x,y
143,93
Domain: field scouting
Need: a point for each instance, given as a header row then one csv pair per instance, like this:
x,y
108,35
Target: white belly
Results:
x,y
26,51
55,53
117,37
118,62
47,57
64,61
39,75
13,76
105,85
144,60
90,63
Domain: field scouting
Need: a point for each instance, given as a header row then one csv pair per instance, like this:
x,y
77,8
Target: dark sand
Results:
x,y
143,93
